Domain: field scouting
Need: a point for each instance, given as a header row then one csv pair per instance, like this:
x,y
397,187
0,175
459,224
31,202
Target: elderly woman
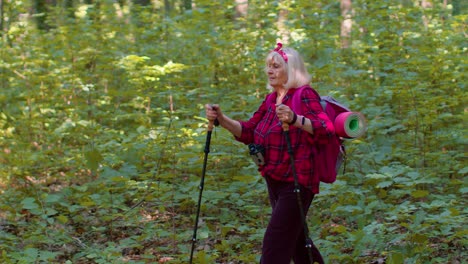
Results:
x,y
285,237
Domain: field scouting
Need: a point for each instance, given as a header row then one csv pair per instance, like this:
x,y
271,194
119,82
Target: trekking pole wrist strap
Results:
x,y
294,119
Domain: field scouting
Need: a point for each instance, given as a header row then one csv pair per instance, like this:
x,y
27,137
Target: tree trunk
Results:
x,y
142,2
41,7
1,17
426,4
188,4
283,31
456,7
168,7
346,23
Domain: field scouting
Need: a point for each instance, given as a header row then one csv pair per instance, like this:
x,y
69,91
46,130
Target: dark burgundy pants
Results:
x,y
284,238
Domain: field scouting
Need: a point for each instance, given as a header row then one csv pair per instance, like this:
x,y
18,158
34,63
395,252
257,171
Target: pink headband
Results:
x,y
280,52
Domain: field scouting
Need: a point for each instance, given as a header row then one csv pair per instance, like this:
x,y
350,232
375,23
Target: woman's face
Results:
x,y
277,75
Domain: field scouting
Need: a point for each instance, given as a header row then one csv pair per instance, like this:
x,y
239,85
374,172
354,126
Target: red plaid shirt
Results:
x,y
264,128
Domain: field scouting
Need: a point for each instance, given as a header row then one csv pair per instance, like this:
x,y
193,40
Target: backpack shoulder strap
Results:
x,y
297,97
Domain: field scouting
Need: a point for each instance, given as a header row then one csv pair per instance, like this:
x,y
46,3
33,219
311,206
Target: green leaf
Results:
x,y
376,176
396,258
463,171
31,253
419,238
62,219
93,158
52,198
29,203
419,193
384,184
50,211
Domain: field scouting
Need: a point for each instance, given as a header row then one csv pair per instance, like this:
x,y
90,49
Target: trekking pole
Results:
x,y
202,182
297,190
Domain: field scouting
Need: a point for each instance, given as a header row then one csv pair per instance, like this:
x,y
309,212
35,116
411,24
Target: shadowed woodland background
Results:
x,y
102,128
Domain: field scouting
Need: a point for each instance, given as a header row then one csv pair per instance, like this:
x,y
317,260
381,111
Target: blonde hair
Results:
x,y
295,68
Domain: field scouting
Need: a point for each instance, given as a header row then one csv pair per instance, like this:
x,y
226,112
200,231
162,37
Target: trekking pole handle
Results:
x,y
210,125
213,123
285,126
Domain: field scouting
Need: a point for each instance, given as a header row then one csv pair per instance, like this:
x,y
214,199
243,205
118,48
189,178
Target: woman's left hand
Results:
x,y
284,113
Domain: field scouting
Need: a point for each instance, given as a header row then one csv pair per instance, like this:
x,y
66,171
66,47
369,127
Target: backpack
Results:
x,y
348,124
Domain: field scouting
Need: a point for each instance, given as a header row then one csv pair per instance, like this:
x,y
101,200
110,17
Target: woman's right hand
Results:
x,y
212,112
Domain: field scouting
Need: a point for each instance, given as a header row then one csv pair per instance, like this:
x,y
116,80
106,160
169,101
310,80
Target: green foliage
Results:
x,y
102,131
